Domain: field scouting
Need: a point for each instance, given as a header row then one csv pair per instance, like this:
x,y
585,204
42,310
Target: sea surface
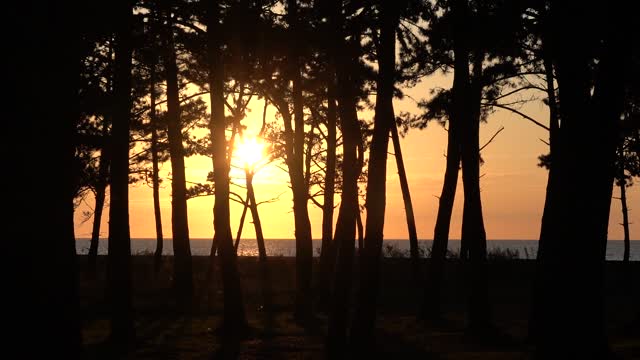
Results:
x,y
523,249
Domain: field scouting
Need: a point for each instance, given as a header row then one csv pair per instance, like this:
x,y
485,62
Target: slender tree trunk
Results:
x,y
433,290
155,177
625,221
241,225
408,206
365,315
100,191
360,230
304,245
183,268
234,321
346,223
101,186
327,250
92,257
265,272
119,258
253,205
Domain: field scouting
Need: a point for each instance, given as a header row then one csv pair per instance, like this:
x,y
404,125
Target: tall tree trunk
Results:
x,y
346,223
467,98
571,297
183,268
119,258
155,176
554,128
327,250
435,275
365,315
38,225
234,321
304,245
546,226
473,232
408,206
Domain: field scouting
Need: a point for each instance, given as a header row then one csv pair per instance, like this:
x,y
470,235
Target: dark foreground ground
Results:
x,y
165,334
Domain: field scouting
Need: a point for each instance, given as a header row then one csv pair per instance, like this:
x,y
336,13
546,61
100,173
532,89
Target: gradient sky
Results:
x,y
513,186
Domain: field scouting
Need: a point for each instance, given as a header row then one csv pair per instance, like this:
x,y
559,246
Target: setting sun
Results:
x,y
249,151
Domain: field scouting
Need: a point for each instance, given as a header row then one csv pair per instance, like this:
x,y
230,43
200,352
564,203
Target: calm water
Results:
x,y
281,247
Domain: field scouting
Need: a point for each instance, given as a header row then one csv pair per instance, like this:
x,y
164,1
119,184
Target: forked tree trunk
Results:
x,y
432,305
101,192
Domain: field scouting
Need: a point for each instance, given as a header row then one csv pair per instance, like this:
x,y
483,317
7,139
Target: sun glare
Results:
x,y
249,151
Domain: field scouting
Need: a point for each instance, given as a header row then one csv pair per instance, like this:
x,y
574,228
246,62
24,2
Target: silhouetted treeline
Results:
x,y
122,88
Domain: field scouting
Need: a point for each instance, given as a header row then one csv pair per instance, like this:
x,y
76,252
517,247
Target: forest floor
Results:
x,y
163,333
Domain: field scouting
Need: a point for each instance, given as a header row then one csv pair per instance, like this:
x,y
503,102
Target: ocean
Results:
x,y
523,249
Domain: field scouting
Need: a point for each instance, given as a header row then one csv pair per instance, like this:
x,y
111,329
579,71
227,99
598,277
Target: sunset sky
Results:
x,y
513,186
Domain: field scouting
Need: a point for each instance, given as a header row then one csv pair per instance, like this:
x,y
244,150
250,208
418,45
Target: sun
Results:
x,y
249,151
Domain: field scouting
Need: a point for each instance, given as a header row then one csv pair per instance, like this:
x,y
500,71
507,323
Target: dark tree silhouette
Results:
x,y
155,170
40,223
234,322
119,258
591,97
183,271
295,155
343,55
388,17
328,248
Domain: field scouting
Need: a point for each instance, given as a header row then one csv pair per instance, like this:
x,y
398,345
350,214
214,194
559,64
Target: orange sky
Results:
x,y
513,187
